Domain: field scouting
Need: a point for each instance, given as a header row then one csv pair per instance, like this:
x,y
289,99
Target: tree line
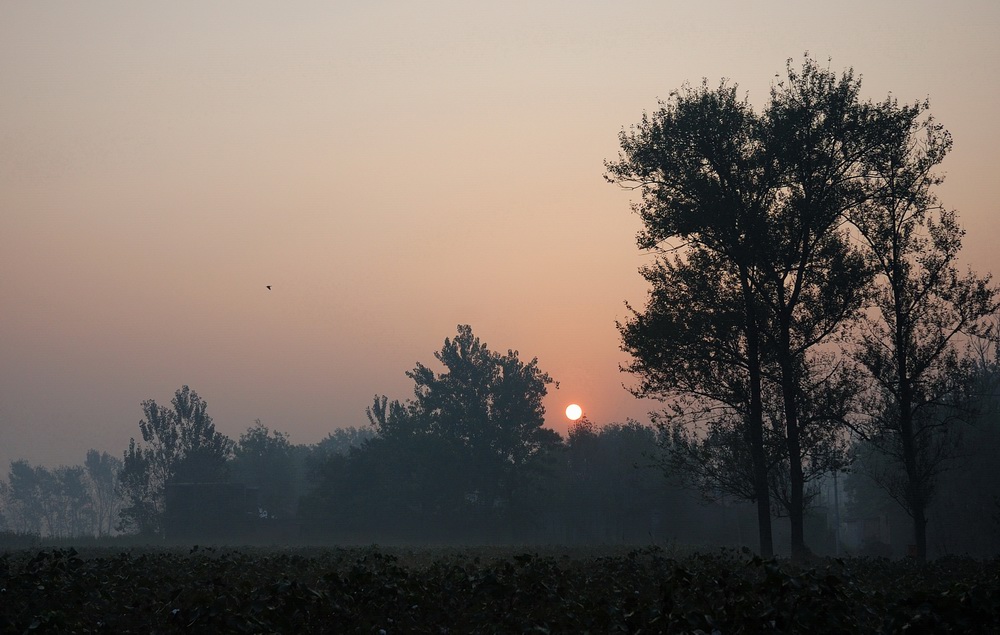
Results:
x,y
420,473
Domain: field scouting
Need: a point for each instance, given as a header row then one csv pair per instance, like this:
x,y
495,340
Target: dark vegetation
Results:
x,y
370,590
805,289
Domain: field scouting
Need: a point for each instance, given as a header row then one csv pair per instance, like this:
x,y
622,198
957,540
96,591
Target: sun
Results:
x,y
573,412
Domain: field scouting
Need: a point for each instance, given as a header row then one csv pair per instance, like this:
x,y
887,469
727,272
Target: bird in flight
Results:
x,y
268,287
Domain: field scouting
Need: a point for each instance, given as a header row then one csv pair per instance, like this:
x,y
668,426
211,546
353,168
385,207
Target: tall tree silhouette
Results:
x,y
179,445
915,347
705,187
766,195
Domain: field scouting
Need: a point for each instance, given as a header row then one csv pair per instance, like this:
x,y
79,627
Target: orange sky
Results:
x,y
392,169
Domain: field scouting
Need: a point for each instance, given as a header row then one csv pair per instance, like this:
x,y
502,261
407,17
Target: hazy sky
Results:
x,y
392,169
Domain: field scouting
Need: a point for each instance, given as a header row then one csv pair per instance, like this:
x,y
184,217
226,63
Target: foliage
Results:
x,y
48,502
371,590
452,458
752,207
915,348
180,445
262,458
102,473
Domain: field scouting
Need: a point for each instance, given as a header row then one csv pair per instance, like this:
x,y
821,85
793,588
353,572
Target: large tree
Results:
x,y
766,195
706,189
179,445
916,345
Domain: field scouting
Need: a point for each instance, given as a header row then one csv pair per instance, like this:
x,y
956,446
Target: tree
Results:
x,y
766,196
453,458
73,505
26,513
263,458
698,164
49,502
180,445
341,440
102,474
690,349
917,348
487,404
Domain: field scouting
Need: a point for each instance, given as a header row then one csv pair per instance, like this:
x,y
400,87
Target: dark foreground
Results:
x,y
371,590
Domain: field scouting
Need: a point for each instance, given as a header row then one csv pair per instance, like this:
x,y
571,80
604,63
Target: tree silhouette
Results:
x,y
761,200
179,445
916,349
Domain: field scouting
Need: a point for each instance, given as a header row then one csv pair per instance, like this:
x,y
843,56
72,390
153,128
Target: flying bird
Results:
x,y
268,287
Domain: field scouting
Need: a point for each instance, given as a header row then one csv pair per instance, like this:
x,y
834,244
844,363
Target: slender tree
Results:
x,y
102,474
916,346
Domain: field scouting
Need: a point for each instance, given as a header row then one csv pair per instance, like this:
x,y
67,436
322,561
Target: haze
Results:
x,y
391,170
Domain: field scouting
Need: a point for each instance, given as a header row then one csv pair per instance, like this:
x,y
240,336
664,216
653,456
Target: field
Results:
x,y
485,590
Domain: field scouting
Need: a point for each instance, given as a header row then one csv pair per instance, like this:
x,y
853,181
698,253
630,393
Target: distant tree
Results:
x,y
917,347
102,474
25,508
487,404
452,460
263,458
49,502
179,445
4,492
73,505
613,492
341,440
964,514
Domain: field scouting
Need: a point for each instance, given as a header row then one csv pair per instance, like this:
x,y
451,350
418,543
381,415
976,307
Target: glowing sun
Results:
x,y
573,412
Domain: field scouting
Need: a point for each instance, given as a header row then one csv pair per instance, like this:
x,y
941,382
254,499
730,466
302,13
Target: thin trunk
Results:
x,y
796,480
920,532
756,424
904,394
914,495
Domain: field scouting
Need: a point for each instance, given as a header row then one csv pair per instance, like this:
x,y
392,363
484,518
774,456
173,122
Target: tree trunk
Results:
x,y
914,490
904,394
796,480
920,532
756,423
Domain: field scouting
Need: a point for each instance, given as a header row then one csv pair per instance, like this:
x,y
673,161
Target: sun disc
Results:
x,y
573,412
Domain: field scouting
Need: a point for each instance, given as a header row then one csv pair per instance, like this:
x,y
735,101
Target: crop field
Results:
x,y
485,590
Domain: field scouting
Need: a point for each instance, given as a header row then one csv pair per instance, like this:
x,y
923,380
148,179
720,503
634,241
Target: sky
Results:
x,y
392,170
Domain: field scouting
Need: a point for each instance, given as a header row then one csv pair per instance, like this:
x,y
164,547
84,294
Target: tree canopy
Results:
x,y
179,445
